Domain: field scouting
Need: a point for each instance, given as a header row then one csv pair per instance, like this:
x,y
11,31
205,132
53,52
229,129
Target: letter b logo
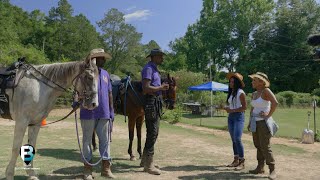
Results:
x,y
27,153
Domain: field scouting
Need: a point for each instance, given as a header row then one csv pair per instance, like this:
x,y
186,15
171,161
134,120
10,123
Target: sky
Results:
x,y
159,20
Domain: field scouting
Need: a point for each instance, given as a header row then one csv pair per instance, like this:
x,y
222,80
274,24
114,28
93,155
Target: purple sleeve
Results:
x,y
147,73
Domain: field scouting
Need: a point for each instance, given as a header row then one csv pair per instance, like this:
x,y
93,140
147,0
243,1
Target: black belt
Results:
x,y
158,103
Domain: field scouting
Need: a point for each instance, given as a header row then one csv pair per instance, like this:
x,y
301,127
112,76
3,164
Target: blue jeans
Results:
x,y
102,127
235,126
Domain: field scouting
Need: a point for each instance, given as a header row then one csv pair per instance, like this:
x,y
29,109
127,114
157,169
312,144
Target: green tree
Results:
x,y
281,50
67,36
16,27
84,37
58,22
121,39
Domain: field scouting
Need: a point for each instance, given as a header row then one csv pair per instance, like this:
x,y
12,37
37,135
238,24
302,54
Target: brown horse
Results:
x,y
134,108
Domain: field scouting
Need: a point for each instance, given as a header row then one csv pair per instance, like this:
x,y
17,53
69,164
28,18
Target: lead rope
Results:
x,y
85,160
125,99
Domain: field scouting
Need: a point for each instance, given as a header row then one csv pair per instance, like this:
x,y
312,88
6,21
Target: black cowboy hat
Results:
x,y
155,52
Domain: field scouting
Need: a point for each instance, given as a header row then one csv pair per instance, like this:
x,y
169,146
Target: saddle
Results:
x,y
119,90
9,79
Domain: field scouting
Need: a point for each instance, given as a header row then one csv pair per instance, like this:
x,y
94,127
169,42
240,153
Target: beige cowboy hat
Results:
x,y
99,52
236,75
262,77
155,52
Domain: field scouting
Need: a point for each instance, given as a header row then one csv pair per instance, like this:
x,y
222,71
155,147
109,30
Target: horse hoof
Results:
x,y
133,158
33,178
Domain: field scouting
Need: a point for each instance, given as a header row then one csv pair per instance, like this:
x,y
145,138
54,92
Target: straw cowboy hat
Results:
x,y
94,53
262,77
236,75
155,52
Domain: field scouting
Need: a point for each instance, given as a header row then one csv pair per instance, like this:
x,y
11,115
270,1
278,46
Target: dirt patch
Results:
x,y
275,140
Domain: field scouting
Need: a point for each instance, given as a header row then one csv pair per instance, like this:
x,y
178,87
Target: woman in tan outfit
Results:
x,y
264,104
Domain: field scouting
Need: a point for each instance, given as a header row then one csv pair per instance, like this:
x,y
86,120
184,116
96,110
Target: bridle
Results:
x,y
166,94
84,94
77,96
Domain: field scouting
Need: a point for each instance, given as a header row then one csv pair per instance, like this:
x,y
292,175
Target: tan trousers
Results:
x,y
261,140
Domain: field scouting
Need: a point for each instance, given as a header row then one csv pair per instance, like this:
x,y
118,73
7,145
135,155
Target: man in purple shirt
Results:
x,y
152,87
100,119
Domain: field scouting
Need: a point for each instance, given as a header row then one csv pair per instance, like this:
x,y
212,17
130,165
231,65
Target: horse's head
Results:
x,y
86,85
169,96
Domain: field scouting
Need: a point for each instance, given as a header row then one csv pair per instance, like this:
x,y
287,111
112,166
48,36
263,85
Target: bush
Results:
x,y
64,100
11,52
281,100
186,79
173,116
316,92
288,97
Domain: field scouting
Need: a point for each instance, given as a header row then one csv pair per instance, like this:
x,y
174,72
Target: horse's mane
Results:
x,y
57,70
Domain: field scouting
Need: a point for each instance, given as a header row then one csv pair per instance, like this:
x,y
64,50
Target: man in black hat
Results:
x,y
152,87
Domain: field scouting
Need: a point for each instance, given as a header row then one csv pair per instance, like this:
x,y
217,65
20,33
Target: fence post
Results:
x,y
314,118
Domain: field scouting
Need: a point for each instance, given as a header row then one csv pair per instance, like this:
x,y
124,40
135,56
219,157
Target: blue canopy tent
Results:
x,y
210,86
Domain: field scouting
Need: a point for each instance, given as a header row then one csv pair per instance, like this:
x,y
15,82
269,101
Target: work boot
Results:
x,y
149,166
240,166
87,172
143,160
259,169
235,162
106,169
272,170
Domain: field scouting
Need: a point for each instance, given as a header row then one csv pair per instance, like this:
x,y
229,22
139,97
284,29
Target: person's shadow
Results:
x,y
218,172
223,175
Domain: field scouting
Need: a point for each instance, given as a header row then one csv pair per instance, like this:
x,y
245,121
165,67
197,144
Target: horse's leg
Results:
x,y
19,130
131,123
33,132
94,144
139,127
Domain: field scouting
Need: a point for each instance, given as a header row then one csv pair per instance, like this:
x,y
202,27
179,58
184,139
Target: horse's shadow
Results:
x,y
49,177
65,154
117,168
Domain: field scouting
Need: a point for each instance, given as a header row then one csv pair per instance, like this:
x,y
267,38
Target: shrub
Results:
x,y
64,100
186,79
316,92
173,116
288,97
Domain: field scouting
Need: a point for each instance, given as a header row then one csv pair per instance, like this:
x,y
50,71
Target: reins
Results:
x,y
75,92
128,84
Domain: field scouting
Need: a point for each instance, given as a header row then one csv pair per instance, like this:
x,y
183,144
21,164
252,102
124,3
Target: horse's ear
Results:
x,y
168,76
87,60
93,61
90,62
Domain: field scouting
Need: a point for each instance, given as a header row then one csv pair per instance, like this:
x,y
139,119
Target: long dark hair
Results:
x,y
236,86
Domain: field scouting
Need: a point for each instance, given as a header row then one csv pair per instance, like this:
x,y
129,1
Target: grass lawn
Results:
x,y
181,153
291,121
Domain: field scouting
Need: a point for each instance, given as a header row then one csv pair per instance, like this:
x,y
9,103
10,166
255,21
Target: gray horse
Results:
x,y
35,96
